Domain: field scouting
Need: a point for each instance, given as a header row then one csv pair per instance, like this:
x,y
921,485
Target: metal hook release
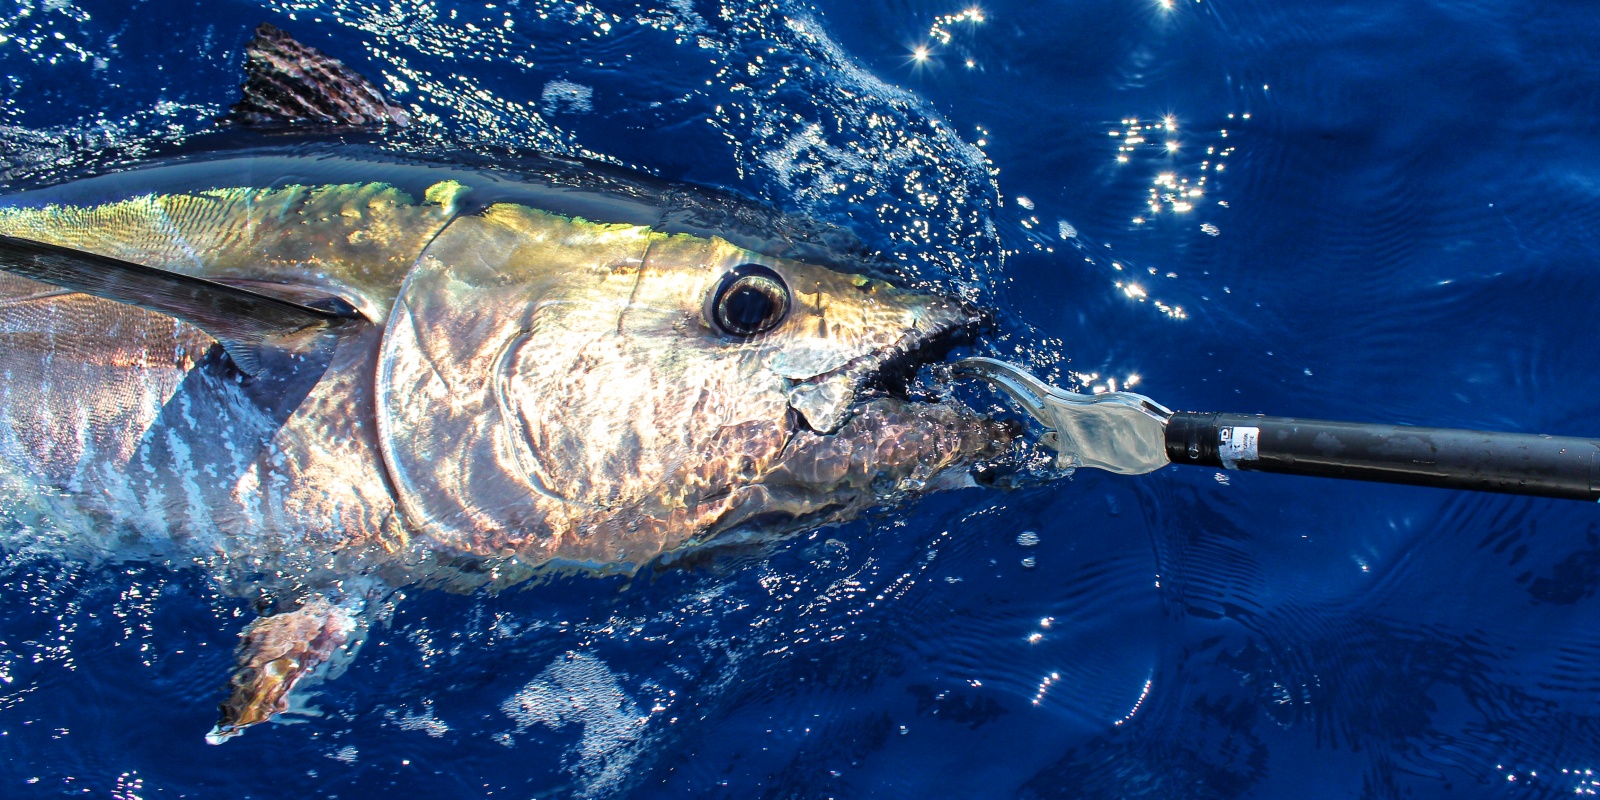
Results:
x,y
1119,432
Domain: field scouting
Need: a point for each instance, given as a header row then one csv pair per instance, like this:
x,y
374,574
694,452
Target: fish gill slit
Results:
x,y
412,318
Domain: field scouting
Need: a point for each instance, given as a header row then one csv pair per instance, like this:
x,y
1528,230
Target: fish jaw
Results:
x,y
889,450
824,401
856,440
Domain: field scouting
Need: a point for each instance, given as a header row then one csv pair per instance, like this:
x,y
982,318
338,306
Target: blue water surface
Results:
x,y
1377,211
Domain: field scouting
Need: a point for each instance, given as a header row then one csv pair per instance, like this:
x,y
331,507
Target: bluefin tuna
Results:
x,y
323,375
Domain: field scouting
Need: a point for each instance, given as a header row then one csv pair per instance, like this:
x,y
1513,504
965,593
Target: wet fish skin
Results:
x,y
531,388
117,420
351,240
617,424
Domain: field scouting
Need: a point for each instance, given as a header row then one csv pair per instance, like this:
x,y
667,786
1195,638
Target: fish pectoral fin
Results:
x,y
244,321
289,84
280,652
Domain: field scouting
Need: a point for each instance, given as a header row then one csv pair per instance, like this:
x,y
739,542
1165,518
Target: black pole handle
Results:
x,y
1512,463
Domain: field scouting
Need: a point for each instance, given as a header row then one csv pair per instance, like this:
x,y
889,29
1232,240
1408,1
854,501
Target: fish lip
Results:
x,y
900,363
891,370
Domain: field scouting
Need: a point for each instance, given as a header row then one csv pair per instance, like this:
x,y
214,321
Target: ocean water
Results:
x,y
1376,211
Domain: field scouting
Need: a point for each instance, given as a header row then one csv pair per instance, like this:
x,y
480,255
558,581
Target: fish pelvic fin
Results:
x,y
244,321
278,653
289,84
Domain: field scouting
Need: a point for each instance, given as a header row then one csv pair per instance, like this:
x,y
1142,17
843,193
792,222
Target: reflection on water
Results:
x,y
1343,210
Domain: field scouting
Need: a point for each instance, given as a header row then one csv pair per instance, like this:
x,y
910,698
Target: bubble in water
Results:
x,y
1027,538
566,96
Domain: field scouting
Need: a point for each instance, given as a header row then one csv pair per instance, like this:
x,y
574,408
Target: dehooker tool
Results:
x,y
1131,434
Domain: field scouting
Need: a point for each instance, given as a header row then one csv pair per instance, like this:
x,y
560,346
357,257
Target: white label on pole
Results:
x,y
1237,444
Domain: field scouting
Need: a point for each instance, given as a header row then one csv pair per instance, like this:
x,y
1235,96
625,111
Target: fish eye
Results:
x,y
750,300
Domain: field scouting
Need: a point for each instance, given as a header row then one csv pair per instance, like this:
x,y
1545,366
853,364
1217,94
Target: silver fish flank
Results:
x,y
537,374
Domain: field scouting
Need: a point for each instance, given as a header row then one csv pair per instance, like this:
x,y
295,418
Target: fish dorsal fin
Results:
x,y
287,83
243,321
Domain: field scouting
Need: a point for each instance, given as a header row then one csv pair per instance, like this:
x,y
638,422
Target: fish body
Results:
x,y
539,371
321,373
531,384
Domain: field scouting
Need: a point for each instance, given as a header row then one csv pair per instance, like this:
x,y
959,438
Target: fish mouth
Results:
x,y
898,367
887,444
823,403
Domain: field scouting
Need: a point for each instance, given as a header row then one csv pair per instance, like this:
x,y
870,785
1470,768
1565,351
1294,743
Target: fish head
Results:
x,y
558,390
812,366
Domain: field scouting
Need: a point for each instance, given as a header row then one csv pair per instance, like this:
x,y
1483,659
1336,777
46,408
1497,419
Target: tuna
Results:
x,y
324,375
